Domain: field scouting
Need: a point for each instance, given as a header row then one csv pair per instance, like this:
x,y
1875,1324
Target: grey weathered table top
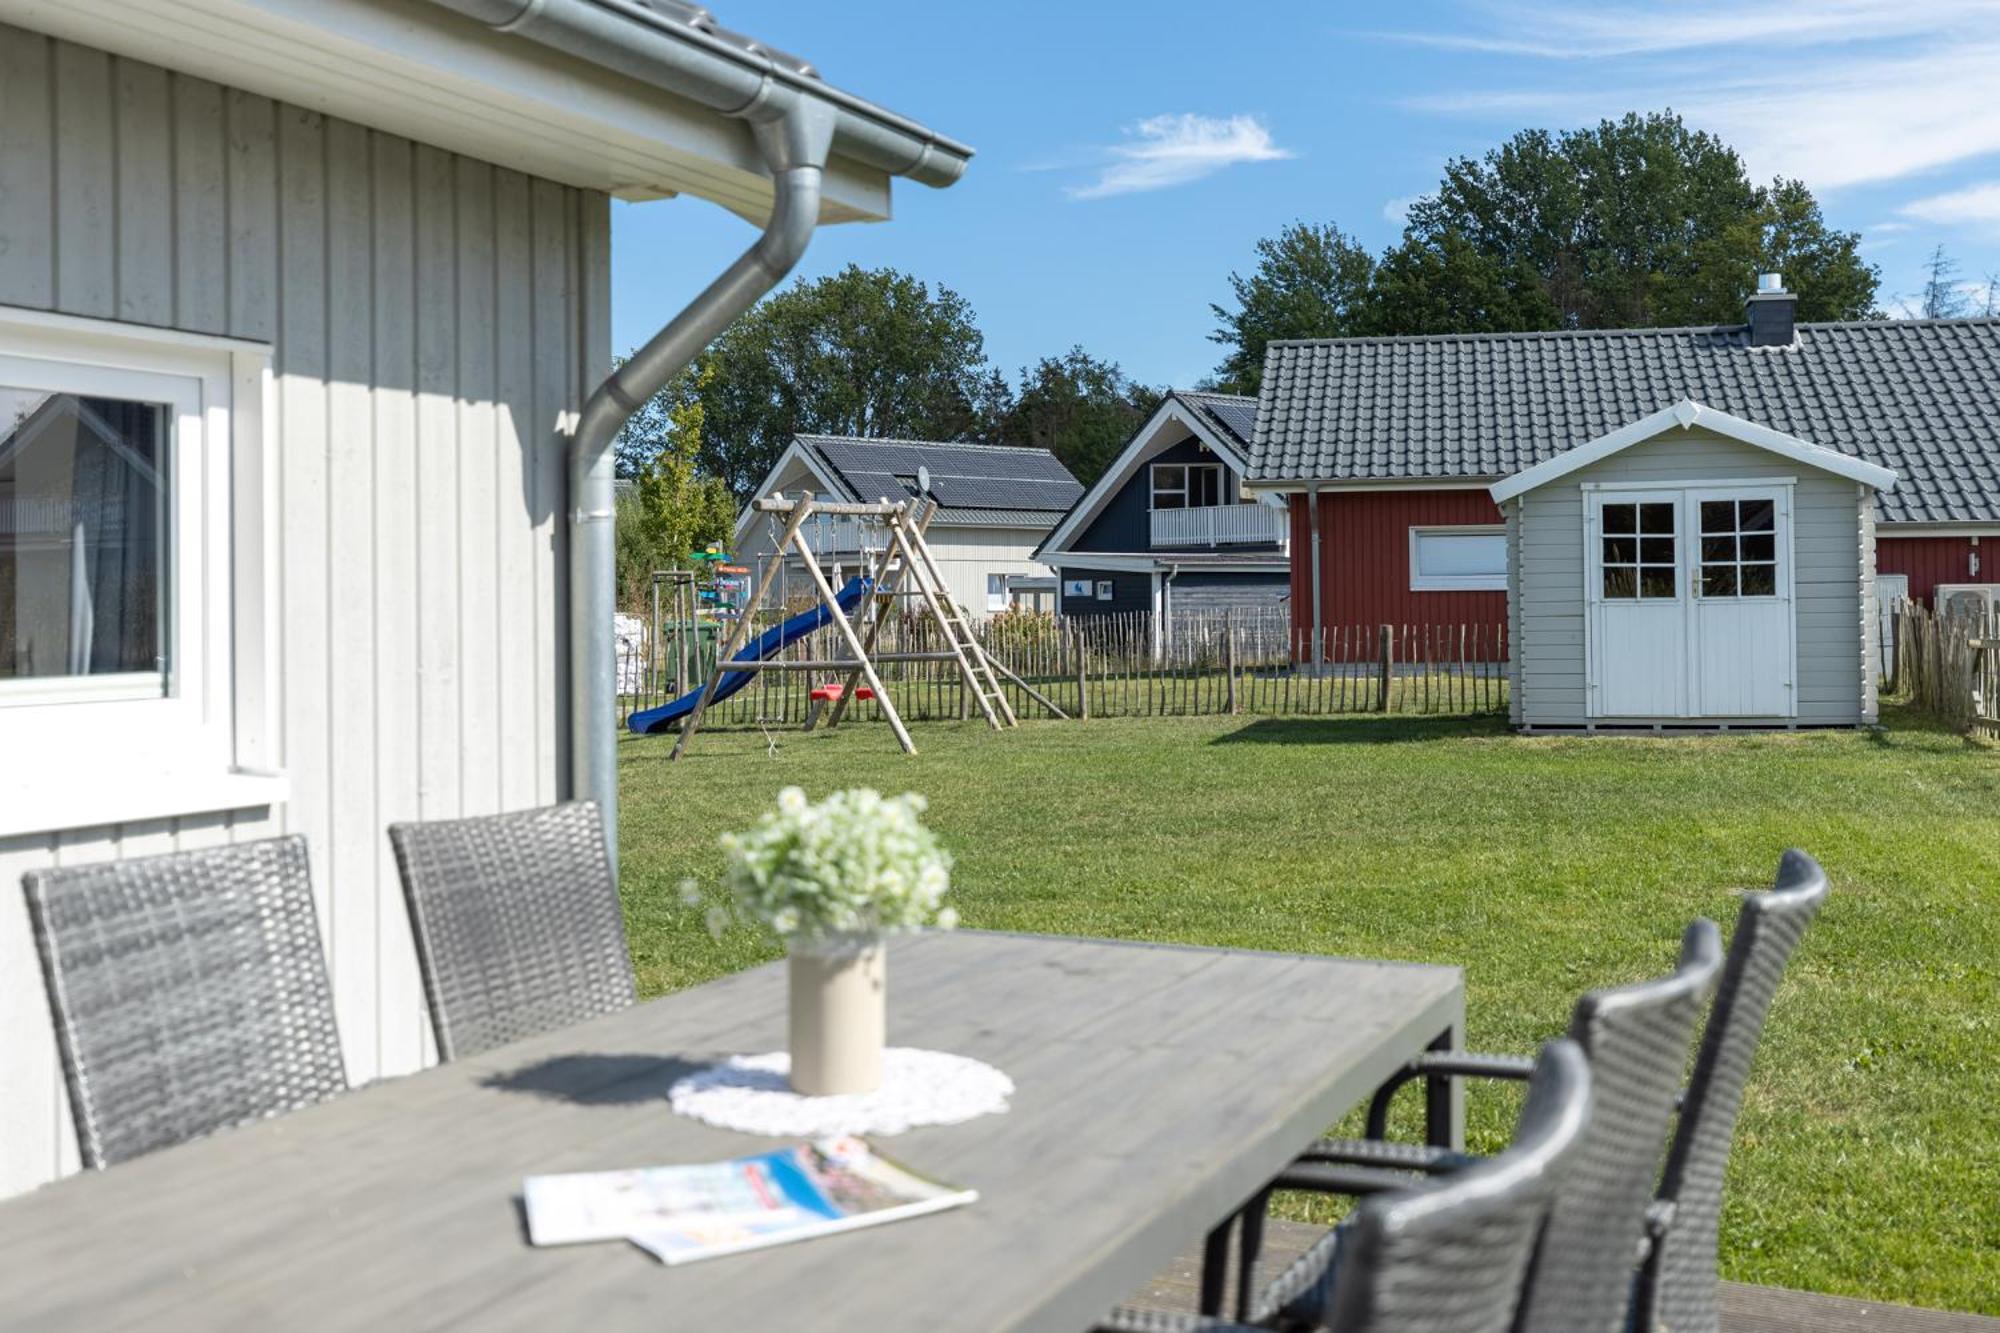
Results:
x,y
1157,1088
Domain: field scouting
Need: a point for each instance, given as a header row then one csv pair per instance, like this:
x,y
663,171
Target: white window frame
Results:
x,y
210,741
1185,489
997,593
1419,582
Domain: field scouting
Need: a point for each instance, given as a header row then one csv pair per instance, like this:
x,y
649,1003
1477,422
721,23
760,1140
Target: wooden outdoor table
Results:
x,y
1158,1087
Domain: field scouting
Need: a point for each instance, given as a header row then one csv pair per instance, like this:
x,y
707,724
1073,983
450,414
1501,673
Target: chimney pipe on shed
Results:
x,y
1770,312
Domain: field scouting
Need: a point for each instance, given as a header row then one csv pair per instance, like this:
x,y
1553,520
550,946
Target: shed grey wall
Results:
x,y
434,317
1833,565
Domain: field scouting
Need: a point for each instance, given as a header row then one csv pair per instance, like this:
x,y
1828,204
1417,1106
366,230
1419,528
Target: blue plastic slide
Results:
x,y
769,644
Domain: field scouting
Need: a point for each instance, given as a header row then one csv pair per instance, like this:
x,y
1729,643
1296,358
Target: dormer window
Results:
x,y
1187,485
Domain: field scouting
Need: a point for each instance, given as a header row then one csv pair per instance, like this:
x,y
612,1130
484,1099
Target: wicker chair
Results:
x,y
517,923
1679,1287
1427,1256
189,993
1637,1039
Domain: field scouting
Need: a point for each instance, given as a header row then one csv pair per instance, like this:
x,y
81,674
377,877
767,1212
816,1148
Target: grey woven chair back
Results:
x,y
189,993
1450,1257
1768,928
517,923
1638,1038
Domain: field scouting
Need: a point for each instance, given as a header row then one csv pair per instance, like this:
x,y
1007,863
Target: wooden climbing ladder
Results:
x,y
905,558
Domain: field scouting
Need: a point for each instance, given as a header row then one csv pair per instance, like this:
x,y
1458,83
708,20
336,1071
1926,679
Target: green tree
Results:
x,y
1080,408
1632,223
1309,282
865,352
672,509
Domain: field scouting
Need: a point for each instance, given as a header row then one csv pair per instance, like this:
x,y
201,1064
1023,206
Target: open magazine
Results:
x,y
685,1213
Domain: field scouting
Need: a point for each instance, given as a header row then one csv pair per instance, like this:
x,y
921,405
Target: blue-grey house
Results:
x,y
1167,528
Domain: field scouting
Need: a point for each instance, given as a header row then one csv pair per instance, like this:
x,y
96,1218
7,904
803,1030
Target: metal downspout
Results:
x,y
794,140
1312,522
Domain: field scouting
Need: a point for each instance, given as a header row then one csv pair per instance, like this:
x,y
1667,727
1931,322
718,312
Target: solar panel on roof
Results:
x,y
1003,493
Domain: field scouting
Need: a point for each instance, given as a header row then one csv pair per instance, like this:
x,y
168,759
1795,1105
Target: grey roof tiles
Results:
x,y
1919,396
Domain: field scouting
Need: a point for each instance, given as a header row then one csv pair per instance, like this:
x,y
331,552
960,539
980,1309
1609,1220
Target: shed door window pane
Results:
x,y
1637,551
83,537
1739,548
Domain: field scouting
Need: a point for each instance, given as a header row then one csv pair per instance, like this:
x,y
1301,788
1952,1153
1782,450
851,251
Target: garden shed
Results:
x,y
1692,568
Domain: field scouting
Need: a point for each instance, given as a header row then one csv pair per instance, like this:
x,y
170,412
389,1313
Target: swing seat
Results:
x,y
822,695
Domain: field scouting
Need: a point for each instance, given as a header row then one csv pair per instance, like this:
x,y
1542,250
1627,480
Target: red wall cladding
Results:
x,y
1930,561
1365,561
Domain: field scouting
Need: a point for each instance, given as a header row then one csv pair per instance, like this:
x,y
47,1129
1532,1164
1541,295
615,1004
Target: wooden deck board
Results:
x,y
1745,1308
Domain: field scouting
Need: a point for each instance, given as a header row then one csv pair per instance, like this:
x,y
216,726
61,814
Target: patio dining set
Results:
x,y
1165,1094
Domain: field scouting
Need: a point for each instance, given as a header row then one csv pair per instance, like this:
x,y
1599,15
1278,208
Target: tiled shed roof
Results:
x,y
975,484
1919,396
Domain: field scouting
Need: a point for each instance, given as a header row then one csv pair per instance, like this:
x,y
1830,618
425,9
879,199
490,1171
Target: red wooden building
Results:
x,y
1385,447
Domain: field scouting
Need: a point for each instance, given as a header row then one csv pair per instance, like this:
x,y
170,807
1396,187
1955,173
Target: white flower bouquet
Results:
x,y
835,875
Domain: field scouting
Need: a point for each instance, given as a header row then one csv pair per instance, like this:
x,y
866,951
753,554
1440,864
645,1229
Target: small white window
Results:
x,y
1106,590
996,592
134,654
1466,558
1187,485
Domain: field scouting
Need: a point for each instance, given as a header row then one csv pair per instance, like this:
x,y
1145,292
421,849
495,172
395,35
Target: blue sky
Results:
x,y
1130,156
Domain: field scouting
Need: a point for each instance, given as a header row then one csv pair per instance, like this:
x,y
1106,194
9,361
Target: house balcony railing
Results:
x,y
1220,525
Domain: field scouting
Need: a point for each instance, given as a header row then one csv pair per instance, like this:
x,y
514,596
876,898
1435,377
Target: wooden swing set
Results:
x,y
905,557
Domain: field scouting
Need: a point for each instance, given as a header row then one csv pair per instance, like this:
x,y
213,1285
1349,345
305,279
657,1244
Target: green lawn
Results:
x,y
1868,1159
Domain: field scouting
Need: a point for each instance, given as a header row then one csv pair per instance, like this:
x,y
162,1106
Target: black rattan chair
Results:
x,y
517,923
189,993
1637,1038
1445,1255
1679,1287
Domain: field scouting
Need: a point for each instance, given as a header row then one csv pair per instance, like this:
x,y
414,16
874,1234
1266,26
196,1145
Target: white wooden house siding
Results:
x,y
434,319
1832,554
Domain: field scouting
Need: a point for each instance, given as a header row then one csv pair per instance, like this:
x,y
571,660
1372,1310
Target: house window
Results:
x,y
1639,560
996,592
134,647
85,564
1464,558
1739,548
1187,485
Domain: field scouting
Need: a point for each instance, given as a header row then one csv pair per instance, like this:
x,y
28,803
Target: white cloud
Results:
x,y
1834,92
1596,31
1163,151
1398,210
1978,205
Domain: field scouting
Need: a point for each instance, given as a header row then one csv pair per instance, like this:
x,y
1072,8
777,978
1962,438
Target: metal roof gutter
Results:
x,y
796,122
679,49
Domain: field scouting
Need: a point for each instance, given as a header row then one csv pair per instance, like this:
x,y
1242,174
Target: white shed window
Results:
x,y
133,656
1458,559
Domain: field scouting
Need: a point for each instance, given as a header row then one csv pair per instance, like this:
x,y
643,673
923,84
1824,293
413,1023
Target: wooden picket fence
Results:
x,y
1248,661
1948,667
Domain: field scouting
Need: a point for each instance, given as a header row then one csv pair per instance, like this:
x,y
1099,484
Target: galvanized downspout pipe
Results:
x,y
795,146
796,120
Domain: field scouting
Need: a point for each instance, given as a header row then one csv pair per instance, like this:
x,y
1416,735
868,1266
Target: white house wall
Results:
x,y
434,319
965,556
1547,610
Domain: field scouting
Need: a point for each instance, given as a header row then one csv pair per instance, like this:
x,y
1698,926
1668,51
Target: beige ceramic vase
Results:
x,y
839,1018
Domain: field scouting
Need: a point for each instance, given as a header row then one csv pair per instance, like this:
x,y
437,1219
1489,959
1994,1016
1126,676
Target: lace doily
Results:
x,y
750,1093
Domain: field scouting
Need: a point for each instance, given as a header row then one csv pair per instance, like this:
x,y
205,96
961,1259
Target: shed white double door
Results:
x,y
1689,607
